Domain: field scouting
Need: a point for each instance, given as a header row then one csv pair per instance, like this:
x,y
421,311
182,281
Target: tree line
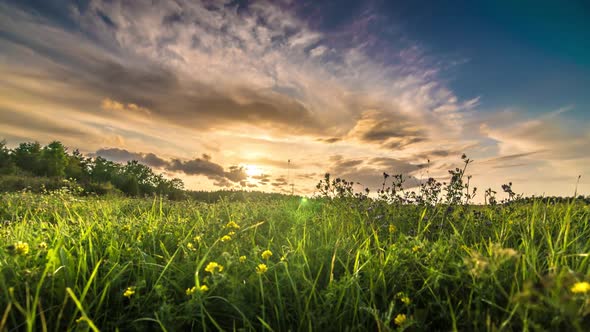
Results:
x,y
95,175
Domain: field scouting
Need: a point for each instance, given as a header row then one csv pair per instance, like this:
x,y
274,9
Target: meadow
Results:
x,y
79,263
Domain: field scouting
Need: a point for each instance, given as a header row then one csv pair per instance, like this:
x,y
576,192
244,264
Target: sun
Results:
x,y
252,170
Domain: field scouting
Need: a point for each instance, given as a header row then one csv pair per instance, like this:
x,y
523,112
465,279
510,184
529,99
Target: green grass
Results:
x,y
339,265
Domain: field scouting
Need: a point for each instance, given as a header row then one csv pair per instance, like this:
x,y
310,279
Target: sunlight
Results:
x,y
252,170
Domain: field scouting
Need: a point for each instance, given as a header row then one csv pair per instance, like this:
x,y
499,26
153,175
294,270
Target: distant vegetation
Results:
x,y
35,167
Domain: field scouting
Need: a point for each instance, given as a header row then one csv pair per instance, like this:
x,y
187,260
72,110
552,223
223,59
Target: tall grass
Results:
x,y
336,265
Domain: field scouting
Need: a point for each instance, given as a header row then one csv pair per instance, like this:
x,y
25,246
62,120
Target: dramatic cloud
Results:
x,y
122,155
256,83
198,166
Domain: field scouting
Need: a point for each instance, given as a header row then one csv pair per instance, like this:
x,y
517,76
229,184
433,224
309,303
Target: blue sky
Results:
x,y
230,90
534,55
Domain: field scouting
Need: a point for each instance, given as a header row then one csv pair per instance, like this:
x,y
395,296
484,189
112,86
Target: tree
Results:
x,y
77,166
102,170
143,175
54,159
27,157
6,163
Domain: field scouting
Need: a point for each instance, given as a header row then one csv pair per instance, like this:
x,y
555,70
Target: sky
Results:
x,y
259,95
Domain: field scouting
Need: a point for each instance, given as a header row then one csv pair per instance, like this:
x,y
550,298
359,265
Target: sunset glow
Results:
x,y
196,89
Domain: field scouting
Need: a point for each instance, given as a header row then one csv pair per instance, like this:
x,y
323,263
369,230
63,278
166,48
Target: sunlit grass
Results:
x,y
290,264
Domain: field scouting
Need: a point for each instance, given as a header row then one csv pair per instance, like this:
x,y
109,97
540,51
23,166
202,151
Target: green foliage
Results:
x,y
27,157
79,263
51,164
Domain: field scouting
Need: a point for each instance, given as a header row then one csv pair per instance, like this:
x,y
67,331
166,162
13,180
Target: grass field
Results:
x,y
84,263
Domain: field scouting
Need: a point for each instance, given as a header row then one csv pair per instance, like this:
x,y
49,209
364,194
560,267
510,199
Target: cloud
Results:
x,y
329,139
122,155
369,172
109,104
280,182
170,59
197,166
391,130
249,79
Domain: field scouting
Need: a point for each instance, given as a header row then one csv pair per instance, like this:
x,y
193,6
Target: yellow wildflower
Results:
x,y
21,248
400,319
580,287
231,233
415,248
42,245
213,267
204,288
392,228
403,297
261,268
190,246
232,224
197,238
225,238
191,291
242,259
129,291
266,254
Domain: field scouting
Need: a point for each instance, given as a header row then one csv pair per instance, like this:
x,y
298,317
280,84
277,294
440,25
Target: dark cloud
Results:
x,y
236,174
39,125
280,182
122,155
395,166
390,130
308,176
369,173
330,139
511,157
349,163
198,166
400,143
263,179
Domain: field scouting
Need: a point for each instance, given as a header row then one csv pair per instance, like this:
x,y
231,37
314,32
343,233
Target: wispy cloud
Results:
x,y
254,83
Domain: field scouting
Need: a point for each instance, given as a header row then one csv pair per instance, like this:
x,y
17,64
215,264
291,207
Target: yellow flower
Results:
x,y
231,233
242,259
42,245
266,254
392,228
190,246
191,291
232,224
415,248
225,238
129,291
403,297
261,268
400,319
580,287
197,238
21,248
213,267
